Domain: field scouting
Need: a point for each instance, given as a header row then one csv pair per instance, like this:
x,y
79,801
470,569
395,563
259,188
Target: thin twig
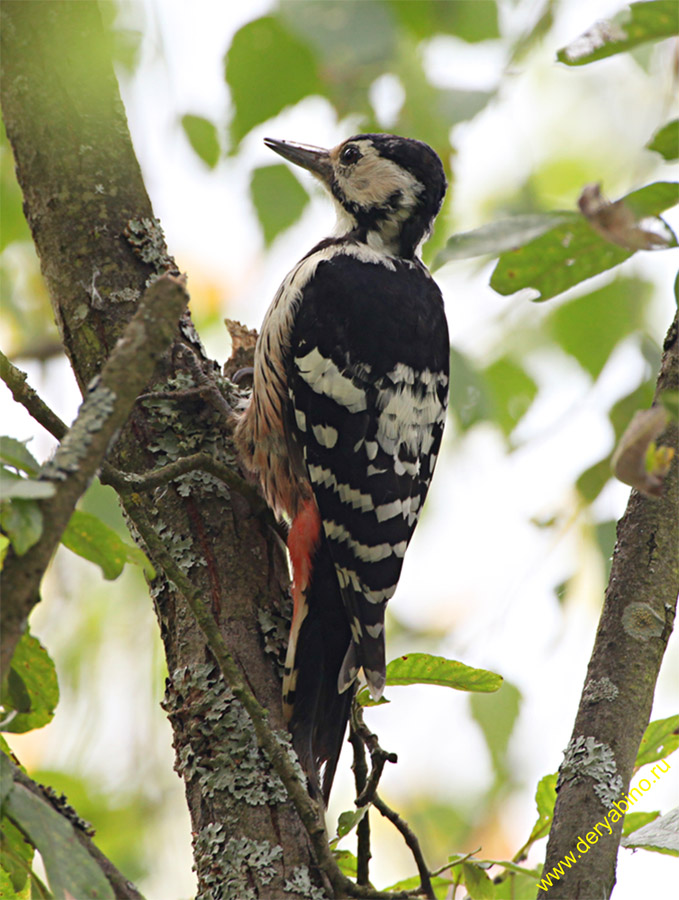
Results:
x,y
411,840
378,756
24,394
207,386
148,481
368,793
360,767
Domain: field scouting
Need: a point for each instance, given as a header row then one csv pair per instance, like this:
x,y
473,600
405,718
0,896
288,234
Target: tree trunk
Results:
x,y
635,626
99,245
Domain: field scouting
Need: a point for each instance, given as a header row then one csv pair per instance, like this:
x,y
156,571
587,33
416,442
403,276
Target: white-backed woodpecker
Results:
x,y
345,422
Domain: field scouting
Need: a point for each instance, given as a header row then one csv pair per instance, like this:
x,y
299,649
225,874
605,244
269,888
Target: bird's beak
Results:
x,y
314,159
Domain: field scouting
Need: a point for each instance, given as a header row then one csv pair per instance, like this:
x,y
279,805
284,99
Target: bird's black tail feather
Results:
x,y
319,712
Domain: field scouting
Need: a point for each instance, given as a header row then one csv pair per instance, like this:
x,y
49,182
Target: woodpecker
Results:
x,y
344,425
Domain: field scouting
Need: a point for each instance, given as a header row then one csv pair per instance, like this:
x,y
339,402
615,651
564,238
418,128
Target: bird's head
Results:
x,y
387,189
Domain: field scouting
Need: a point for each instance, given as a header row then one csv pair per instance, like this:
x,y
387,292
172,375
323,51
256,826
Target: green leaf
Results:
x,y
71,871
634,821
590,327
593,479
560,259
202,135
35,702
22,522
348,820
477,882
16,859
605,537
351,40
427,111
497,237
364,698
347,862
469,397
279,199
441,885
573,251
660,739
642,22
472,22
666,141
496,714
661,835
17,692
90,538
511,867
267,69
512,390
652,199
545,799
14,453
6,777
515,886
423,668
14,225
545,796
12,485
670,400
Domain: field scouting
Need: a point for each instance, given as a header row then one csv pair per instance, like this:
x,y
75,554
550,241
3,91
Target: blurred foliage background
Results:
x,y
509,565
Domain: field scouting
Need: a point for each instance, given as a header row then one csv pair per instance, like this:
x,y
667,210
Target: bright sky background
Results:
x,y
476,564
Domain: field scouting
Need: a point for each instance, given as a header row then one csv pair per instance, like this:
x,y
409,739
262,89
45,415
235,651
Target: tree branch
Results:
x,y
412,841
366,788
122,887
102,414
635,626
24,394
148,481
27,396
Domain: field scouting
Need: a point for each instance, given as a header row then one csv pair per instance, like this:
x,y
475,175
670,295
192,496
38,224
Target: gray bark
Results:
x,y
635,626
99,244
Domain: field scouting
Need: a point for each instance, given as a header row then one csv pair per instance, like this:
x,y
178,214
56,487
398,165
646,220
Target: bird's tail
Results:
x,y
319,637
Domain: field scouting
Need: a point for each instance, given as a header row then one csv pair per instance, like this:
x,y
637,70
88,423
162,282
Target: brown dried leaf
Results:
x,y
243,342
637,461
617,223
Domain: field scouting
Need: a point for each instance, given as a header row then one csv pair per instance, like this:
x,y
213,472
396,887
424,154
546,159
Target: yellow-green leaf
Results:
x,y
477,882
267,69
33,691
279,199
202,135
651,20
90,538
423,668
666,141
660,739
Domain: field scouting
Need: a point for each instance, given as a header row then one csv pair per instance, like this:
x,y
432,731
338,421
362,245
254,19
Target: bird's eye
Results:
x,y
350,154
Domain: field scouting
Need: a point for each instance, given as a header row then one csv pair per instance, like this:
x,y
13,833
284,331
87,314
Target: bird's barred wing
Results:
x,y
370,443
